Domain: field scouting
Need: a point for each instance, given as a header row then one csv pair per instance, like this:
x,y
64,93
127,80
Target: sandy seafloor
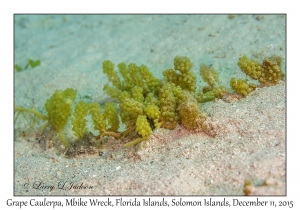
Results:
x,y
250,142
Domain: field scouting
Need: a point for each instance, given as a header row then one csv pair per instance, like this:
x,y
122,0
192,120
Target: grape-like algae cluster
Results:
x,y
145,103
267,73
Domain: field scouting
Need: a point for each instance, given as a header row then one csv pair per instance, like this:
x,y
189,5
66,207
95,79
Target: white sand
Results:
x,y
250,143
